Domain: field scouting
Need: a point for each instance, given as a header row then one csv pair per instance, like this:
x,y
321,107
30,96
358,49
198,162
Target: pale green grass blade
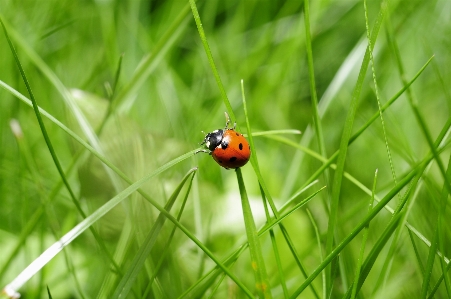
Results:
x,y
401,213
257,262
52,251
127,94
166,166
328,259
362,247
275,247
440,138
254,162
435,243
128,280
42,126
275,132
376,89
320,250
170,238
203,38
275,221
347,131
232,257
311,71
198,289
375,251
51,148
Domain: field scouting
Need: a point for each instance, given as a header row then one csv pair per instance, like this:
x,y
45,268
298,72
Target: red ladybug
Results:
x,y
228,147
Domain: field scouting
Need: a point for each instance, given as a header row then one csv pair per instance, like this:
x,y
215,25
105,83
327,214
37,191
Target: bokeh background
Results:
x,y
159,111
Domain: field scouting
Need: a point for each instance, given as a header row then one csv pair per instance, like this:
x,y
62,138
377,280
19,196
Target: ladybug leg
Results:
x,y
203,151
228,122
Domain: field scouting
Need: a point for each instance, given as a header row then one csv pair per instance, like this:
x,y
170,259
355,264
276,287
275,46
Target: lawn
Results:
x,y
346,105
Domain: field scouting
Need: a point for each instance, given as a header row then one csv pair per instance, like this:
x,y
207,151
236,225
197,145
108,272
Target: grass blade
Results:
x,y
258,263
362,247
203,38
130,276
341,159
359,227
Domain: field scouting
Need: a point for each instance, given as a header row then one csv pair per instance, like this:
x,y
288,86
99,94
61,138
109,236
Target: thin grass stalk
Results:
x,y
356,230
274,246
314,97
203,38
254,162
362,246
168,243
347,131
128,280
318,240
435,242
257,262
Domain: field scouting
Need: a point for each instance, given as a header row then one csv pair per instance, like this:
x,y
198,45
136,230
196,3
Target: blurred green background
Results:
x,y
160,109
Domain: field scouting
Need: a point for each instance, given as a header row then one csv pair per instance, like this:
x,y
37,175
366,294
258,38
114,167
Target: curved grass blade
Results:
x,y
42,126
435,242
53,250
213,273
148,63
103,159
346,135
359,227
254,162
130,276
163,256
362,247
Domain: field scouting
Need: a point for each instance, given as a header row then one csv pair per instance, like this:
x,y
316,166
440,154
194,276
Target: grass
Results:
x,y
102,105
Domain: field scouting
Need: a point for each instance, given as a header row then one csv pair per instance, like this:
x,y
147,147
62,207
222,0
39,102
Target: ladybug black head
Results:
x,y
213,139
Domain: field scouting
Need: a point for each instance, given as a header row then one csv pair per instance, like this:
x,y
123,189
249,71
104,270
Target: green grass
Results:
x,y
102,104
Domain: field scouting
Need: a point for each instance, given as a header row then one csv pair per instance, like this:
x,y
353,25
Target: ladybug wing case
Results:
x,y
233,152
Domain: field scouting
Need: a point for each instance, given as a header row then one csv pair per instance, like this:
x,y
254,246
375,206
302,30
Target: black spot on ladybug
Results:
x,y
240,146
233,159
224,144
220,161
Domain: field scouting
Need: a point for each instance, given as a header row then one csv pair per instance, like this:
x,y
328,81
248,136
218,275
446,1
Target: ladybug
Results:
x,y
228,147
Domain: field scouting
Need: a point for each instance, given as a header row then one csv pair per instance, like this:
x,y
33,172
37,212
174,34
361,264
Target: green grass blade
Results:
x,y
358,228
275,247
42,126
341,159
383,239
435,243
203,38
164,167
163,256
232,257
276,221
149,62
362,247
51,252
318,240
274,132
257,261
254,162
131,275
311,71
